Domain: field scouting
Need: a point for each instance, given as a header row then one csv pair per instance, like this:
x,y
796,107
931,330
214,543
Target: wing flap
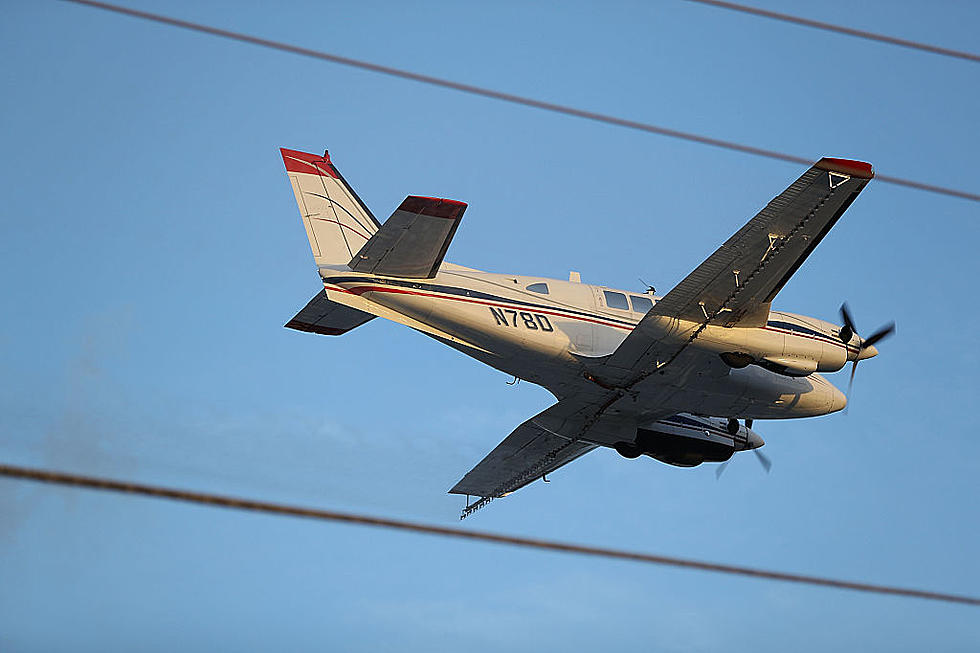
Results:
x,y
413,241
320,315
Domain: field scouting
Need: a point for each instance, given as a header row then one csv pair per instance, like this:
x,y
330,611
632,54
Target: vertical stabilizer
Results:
x,y
337,221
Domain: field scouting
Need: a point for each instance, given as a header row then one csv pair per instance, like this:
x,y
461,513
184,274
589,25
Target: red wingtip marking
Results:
x,y
847,167
433,206
311,164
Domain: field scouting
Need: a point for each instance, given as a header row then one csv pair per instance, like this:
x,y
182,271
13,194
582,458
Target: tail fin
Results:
x,y
337,221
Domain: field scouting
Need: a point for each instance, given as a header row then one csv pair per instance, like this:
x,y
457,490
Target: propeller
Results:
x,y
720,469
763,460
848,331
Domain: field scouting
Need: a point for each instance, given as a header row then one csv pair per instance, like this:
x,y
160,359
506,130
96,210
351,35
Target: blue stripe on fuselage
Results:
x,y
475,294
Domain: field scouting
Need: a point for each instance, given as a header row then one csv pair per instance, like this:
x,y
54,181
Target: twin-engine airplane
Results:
x,y
667,377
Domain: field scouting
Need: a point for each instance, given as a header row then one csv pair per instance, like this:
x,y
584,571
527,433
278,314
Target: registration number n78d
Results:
x,y
511,318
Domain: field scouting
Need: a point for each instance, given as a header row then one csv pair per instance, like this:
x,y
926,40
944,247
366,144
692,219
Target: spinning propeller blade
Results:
x,y
763,460
849,330
878,335
721,469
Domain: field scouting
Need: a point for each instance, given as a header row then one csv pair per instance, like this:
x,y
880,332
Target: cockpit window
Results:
x,y
616,300
641,304
539,288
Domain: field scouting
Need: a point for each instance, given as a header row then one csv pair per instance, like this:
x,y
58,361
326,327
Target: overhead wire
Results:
x,y
509,97
61,478
261,506
129,487
842,29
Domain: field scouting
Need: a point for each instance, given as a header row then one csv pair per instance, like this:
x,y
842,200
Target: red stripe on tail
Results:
x,y
311,164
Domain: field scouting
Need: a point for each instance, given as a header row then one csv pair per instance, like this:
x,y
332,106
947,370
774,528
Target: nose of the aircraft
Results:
x,y
867,352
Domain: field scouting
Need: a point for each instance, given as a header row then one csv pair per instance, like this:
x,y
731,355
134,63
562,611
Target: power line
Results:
x,y
62,478
509,97
840,29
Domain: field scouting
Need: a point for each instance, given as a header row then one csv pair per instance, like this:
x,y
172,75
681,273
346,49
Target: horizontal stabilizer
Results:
x,y
328,318
413,241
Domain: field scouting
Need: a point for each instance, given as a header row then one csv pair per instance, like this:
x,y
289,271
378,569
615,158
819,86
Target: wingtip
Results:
x,y
848,167
435,207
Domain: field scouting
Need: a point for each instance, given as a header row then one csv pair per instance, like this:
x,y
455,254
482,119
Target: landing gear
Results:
x,y
628,449
732,426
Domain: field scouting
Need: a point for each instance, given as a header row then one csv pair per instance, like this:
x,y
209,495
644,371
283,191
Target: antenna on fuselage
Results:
x,y
650,289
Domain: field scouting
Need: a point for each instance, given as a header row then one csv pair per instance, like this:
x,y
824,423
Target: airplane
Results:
x,y
669,377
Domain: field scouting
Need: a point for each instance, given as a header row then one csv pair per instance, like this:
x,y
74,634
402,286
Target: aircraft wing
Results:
x,y
524,456
735,285
413,241
323,316
549,440
542,444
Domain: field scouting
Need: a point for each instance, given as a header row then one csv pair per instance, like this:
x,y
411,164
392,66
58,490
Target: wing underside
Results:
x,y
320,315
551,439
524,456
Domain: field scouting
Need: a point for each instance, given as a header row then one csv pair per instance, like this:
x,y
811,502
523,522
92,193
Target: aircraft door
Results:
x,y
579,329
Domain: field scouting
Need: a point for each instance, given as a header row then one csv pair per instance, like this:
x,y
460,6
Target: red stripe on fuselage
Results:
x,y
360,290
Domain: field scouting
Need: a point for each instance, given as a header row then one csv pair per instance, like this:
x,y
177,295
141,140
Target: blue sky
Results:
x,y
151,250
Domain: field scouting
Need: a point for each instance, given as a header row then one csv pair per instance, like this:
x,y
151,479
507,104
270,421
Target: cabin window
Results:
x,y
539,288
616,300
641,304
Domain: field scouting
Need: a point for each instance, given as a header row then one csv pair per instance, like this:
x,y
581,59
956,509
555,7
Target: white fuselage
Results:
x,y
552,338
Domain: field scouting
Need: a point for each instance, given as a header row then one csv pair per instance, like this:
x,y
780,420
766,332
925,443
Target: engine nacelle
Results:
x,y
789,366
791,345
829,361
685,441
